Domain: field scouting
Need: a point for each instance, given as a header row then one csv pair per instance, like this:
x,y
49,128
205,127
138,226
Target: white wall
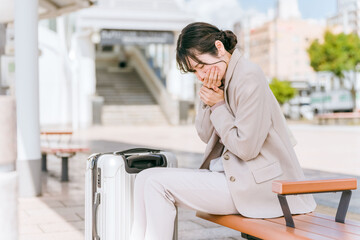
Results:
x,y
82,55
54,85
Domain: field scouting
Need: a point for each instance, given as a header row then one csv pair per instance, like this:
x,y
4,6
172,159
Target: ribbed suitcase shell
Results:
x,y
109,206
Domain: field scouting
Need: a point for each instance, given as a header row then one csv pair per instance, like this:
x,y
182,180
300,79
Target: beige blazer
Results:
x,y
257,142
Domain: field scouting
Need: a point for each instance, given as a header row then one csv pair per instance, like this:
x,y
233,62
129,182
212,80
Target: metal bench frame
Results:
x,y
340,213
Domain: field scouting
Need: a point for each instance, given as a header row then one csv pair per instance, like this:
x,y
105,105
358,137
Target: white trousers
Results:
x,y
158,190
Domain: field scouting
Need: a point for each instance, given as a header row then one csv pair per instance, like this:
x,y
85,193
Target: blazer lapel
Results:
x,y
229,73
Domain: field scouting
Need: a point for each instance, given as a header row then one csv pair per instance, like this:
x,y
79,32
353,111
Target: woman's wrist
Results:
x,y
217,105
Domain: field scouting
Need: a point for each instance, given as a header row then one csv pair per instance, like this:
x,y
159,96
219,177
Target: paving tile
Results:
x,y
62,227
73,235
81,215
29,229
188,225
204,223
37,203
49,218
72,202
51,211
185,214
209,233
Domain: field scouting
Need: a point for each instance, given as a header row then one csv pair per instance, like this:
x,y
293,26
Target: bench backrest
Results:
x,y
56,139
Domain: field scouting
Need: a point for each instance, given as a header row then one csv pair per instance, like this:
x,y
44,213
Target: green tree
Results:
x,y
282,90
338,53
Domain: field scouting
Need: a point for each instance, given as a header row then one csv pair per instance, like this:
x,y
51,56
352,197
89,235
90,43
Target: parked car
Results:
x,y
331,101
298,107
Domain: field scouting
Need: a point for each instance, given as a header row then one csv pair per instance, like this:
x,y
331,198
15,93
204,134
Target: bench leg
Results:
x,y
286,210
64,169
343,206
247,236
44,162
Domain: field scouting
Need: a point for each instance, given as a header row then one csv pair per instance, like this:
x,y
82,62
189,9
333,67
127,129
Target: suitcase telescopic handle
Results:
x,y
137,150
96,205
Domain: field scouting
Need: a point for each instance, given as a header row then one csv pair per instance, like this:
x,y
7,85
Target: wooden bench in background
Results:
x,y
325,117
59,144
301,226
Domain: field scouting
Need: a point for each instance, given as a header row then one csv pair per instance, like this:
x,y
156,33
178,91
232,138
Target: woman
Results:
x,y
248,143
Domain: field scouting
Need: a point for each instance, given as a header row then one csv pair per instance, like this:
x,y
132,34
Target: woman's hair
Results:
x,y
199,38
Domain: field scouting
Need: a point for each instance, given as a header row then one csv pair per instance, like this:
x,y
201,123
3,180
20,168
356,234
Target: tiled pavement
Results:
x,y
59,212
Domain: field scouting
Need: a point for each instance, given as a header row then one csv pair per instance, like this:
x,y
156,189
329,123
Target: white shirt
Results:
x,y
216,165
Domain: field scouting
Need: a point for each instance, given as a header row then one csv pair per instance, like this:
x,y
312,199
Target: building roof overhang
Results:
x,y
160,19
46,9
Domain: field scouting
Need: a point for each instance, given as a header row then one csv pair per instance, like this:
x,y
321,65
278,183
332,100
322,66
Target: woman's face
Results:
x,y
212,62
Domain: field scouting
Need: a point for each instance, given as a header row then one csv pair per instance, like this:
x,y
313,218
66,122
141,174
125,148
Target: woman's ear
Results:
x,y
220,47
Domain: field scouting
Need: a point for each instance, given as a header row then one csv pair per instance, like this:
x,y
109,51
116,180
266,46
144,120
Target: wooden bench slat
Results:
x,y
328,223
260,228
56,133
312,186
64,150
347,221
317,229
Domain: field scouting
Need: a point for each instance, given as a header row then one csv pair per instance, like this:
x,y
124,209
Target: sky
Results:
x,y
224,13
314,9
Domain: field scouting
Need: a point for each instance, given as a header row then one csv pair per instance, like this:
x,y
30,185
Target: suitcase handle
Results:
x,y
96,205
145,161
137,150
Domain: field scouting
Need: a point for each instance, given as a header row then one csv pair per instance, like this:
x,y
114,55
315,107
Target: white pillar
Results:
x,y
27,97
8,175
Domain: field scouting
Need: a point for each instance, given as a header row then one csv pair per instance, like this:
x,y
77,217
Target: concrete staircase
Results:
x,y
127,101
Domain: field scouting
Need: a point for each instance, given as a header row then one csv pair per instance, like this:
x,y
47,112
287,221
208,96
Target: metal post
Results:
x,y
65,169
27,97
44,162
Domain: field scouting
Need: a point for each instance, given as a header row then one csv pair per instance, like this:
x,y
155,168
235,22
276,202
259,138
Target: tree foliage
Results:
x,y
338,53
282,90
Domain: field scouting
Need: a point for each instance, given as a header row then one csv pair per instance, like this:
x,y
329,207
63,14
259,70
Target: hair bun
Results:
x,y
230,40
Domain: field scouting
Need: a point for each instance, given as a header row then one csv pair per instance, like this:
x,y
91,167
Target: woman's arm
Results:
x,y
203,124
245,133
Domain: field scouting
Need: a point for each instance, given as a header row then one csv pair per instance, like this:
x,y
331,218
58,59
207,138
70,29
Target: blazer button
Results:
x,y
226,157
232,179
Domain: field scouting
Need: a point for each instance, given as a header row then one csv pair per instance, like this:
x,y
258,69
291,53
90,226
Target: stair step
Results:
x,y
127,100
132,114
123,91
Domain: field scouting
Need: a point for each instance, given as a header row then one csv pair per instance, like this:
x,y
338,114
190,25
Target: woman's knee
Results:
x,y
158,184
142,176
148,172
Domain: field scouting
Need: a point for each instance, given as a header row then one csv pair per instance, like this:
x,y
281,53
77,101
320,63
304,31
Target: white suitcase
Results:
x,y
109,182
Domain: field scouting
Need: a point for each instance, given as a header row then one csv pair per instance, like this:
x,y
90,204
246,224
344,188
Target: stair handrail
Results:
x,y
168,105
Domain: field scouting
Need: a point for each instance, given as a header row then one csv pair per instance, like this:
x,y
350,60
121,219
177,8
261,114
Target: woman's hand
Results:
x,y
211,97
211,79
